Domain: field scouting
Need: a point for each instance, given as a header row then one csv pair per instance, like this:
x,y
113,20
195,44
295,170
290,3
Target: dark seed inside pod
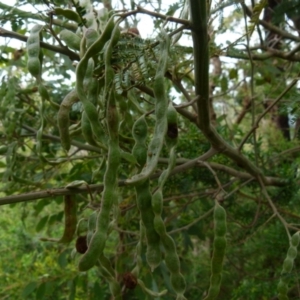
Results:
x,y
129,280
172,131
81,244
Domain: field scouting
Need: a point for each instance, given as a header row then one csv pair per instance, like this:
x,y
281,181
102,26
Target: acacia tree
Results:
x,y
168,170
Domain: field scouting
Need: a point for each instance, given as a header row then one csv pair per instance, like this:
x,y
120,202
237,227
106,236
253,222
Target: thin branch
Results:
x,y
184,105
186,227
237,53
15,12
177,82
50,193
201,62
66,51
269,180
294,152
57,139
259,118
253,106
270,27
141,10
275,211
185,113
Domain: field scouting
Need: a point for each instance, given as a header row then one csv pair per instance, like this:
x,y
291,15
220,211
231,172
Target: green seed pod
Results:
x,y
43,92
287,265
155,146
71,39
171,257
140,129
88,75
161,105
139,133
89,259
172,131
87,130
95,48
159,225
34,52
282,288
157,202
63,118
34,66
3,150
213,292
292,252
220,229
94,253
81,227
98,45
220,243
67,13
295,239
216,280
91,36
91,226
92,115
219,213
153,253
178,283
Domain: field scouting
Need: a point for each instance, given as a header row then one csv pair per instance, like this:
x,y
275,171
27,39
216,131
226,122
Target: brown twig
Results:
x,y
259,118
63,50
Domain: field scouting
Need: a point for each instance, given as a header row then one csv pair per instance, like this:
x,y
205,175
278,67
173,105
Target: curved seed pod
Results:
x,y
109,274
91,84
71,39
161,105
70,212
139,132
34,66
98,240
92,115
149,292
87,130
34,52
90,108
295,239
92,222
88,75
81,227
287,267
171,257
44,93
220,229
91,36
67,13
63,118
184,14
139,262
143,195
172,131
153,253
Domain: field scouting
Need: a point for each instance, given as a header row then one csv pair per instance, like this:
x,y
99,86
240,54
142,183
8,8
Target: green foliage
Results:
x,y
133,196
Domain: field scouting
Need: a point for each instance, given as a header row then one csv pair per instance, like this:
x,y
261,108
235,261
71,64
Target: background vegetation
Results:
x,y
232,76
